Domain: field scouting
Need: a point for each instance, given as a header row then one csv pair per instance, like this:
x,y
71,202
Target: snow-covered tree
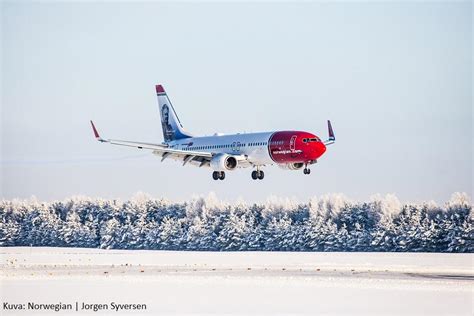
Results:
x,y
328,223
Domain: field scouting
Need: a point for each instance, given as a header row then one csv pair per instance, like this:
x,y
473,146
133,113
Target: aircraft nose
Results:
x,y
319,149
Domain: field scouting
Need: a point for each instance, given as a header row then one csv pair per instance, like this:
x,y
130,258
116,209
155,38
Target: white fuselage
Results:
x,y
254,146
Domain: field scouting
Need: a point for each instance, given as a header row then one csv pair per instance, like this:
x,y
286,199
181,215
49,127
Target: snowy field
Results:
x,y
238,283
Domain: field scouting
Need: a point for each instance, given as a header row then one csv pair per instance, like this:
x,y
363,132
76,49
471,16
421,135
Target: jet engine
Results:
x,y
223,162
292,166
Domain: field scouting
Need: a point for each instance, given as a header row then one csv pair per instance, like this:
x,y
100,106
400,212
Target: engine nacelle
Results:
x,y
223,162
292,166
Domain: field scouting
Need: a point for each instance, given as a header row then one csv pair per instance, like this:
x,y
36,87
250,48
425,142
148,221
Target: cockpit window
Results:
x,y
311,140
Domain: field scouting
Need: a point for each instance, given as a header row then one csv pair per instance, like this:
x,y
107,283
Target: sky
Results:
x,y
395,78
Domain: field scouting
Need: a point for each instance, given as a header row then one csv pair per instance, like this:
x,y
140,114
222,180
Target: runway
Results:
x,y
242,283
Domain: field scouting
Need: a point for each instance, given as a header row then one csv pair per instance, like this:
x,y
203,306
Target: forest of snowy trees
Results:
x,y
328,223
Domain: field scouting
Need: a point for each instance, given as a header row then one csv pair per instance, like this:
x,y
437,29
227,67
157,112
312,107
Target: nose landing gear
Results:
x,y
218,175
258,174
306,170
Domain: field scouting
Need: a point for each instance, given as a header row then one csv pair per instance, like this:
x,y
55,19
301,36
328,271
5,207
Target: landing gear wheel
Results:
x,y
306,171
261,175
215,175
222,175
254,175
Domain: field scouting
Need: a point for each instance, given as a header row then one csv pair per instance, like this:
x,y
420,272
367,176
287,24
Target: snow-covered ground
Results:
x,y
239,283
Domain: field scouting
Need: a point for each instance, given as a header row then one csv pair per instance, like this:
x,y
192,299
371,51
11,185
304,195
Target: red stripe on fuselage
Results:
x,y
288,147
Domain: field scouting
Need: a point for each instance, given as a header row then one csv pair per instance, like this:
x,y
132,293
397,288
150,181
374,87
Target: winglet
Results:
x,y
96,134
331,132
332,138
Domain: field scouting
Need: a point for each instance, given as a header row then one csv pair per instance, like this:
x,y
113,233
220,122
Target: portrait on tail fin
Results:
x,y
168,131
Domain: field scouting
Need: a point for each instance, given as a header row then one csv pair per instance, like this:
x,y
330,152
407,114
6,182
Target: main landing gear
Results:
x,y
258,174
218,175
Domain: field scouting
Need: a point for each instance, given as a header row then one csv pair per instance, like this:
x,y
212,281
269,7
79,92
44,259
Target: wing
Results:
x,y
195,157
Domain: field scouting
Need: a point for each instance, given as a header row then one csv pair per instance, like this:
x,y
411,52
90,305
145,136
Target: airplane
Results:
x,y
291,150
